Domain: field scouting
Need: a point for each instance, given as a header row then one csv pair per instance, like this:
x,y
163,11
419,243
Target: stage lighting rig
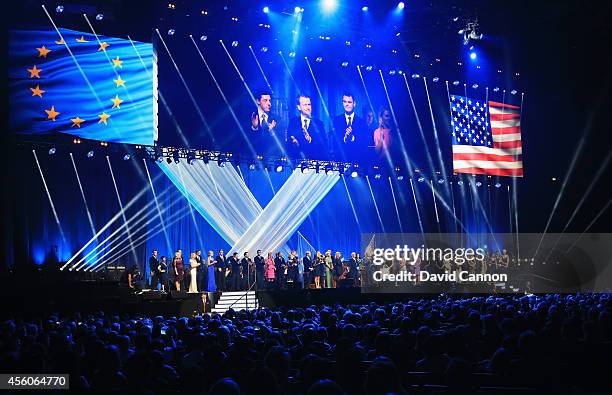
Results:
x,y
191,157
470,32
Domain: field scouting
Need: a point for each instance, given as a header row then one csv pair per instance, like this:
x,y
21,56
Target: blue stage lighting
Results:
x,y
191,158
203,38
279,168
59,9
377,176
292,54
264,49
473,55
435,79
126,157
234,43
391,72
369,68
298,9
441,181
400,177
90,154
401,5
175,156
475,86
455,83
52,151
171,32
497,185
99,17
415,76
266,10
329,5
421,179
319,59
478,184
364,8
329,170
513,91
344,64
496,89
460,183
354,174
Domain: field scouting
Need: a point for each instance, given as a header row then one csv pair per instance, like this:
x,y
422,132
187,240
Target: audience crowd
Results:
x,y
495,344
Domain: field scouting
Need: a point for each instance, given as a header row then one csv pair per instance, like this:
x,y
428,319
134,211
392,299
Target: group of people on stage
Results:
x,y
351,136
235,273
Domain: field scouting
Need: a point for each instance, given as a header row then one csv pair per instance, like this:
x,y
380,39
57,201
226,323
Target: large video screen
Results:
x,y
82,84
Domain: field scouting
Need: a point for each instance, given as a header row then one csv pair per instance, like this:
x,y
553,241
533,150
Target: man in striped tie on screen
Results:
x,y
486,137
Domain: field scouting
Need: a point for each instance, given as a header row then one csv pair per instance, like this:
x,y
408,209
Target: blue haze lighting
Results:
x,y
266,10
329,5
473,55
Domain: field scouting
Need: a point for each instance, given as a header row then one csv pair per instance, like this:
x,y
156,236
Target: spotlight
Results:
x,y
496,89
175,156
279,167
329,169
435,79
554,179
364,8
368,68
344,64
377,174
421,179
513,91
400,177
391,72
252,166
460,183
415,76
401,5
347,43
234,43
472,55
126,157
90,154
441,181
354,173
266,10
497,185
329,5
298,9
475,86
478,184
292,54
455,19
99,17
52,151
319,59
264,49
171,32
191,158
203,38
59,9
169,160
455,83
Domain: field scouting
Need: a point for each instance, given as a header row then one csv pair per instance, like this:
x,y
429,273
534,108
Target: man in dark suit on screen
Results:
x,y
262,124
306,135
350,131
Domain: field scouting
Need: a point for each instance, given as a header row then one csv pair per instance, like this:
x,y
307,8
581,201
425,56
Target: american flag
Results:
x,y
486,137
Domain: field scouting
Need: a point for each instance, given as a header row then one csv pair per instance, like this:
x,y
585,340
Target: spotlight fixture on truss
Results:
x,y
470,32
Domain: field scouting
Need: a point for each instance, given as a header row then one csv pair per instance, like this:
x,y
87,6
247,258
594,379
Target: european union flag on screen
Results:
x,y
90,86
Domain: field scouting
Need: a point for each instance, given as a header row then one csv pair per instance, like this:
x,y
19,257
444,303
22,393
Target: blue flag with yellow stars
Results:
x,y
82,84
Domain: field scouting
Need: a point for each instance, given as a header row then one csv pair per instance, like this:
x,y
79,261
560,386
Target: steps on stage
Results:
x,y
237,300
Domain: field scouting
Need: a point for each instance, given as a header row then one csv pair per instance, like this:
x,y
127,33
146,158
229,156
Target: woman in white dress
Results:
x,y
193,284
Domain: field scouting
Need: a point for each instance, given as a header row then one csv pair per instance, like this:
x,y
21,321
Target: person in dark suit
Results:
x,y
306,136
350,133
220,271
153,264
353,264
281,270
202,272
263,127
292,270
260,264
245,267
235,277
308,269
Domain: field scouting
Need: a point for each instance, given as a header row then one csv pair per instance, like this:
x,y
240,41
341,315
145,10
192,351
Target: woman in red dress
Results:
x,y
179,269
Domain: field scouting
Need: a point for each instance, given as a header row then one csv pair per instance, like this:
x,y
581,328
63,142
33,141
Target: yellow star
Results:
x,y
37,91
103,117
103,46
117,102
42,52
117,62
77,122
119,81
82,40
60,42
52,113
34,72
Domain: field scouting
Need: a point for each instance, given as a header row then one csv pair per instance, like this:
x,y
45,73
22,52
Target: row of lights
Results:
x,y
60,8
